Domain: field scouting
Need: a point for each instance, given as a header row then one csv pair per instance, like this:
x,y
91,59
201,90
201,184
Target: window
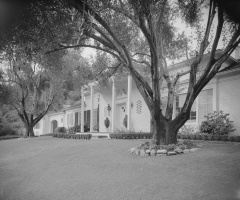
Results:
x,y
180,99
87,117
94,117
76,118
70,119
37,126
205,104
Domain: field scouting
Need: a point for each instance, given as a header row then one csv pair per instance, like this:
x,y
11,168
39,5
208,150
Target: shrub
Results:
x,y
232,139
77,129
86,127
186,130
237,138
60,130
7,131
217,123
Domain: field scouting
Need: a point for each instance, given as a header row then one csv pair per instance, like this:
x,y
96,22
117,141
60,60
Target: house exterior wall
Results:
x,y
225,96
71,111
229,97
39,131
56,116
140,118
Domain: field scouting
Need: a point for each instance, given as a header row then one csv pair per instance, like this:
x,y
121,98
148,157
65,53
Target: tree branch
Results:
x,y
179,75
143,54
142,62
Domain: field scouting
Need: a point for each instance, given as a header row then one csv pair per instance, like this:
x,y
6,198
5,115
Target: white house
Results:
x,y
122,98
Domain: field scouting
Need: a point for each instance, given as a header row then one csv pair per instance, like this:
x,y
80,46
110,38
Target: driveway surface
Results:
x,y
47,168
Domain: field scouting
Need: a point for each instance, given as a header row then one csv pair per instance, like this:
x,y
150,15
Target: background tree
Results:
x,y
33,80
32,89
79,73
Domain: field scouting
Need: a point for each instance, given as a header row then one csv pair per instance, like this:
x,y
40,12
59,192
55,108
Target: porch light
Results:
x,y
109,108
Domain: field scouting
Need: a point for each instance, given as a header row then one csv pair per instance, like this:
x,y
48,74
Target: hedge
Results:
x,y
130,135
149,136
209,137
73,136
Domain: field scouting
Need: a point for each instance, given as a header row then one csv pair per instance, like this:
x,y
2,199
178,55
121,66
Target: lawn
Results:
x,y
47,168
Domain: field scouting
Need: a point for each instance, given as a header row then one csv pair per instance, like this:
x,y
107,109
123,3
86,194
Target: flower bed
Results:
x,y
73,136
147,149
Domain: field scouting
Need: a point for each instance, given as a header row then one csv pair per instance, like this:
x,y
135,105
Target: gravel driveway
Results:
x,y
47,168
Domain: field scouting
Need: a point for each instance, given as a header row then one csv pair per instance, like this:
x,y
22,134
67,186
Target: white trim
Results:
x,y
113,104
91,108
82,110
129,99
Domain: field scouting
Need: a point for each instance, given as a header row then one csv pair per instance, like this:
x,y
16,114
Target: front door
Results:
x,y
54,125
121,112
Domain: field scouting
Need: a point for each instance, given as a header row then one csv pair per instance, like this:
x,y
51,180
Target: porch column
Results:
x,y
91,109
64,112
82,110
215,94
113,104
129,99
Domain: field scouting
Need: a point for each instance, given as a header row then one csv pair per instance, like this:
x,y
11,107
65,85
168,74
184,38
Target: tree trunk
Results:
x,y
29,131
171,133
158,128
165,132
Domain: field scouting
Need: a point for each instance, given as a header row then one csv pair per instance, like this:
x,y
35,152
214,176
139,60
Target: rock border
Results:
x,y
146,149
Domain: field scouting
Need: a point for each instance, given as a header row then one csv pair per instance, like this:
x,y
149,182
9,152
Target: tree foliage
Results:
x,y
31,88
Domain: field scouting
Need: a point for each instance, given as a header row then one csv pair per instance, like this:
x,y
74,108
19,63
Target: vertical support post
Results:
x,y
215,95
91,108
129,99
113,104
64,113
82,110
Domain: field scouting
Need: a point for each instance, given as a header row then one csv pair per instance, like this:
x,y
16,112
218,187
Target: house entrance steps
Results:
x,y
98,135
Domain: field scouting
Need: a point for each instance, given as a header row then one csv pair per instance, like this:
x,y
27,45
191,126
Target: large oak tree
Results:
x,y
113,26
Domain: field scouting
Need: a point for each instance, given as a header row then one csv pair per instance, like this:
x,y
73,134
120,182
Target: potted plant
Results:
x,y
125,121
107,122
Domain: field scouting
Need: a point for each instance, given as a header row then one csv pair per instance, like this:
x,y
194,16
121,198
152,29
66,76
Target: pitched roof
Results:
x,y
231,67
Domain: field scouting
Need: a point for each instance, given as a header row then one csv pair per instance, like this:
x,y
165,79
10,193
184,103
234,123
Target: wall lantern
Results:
x,y
109,108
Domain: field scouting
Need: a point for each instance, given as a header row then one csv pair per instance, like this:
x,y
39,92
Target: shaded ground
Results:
x,y
47,168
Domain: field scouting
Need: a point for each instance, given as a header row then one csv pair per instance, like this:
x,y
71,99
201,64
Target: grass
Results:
x,y
54,168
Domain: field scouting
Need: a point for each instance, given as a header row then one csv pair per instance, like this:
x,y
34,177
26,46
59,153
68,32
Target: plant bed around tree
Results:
x,y
147,149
